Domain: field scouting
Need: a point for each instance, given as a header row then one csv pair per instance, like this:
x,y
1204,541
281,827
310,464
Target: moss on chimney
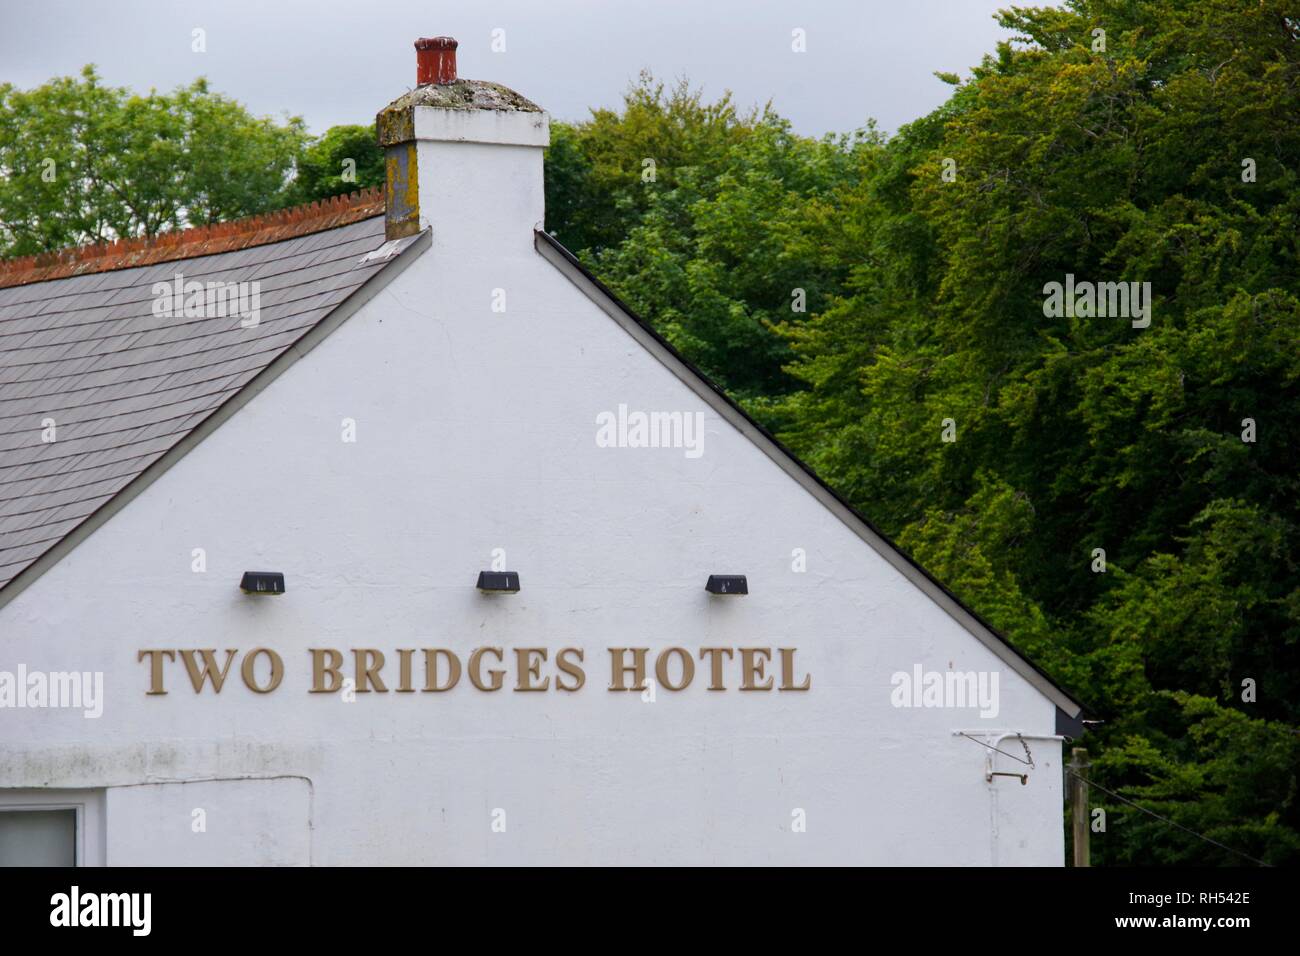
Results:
x,y
395,122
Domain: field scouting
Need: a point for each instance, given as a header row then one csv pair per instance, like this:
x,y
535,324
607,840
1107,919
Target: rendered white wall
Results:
x,y
236,822
475,430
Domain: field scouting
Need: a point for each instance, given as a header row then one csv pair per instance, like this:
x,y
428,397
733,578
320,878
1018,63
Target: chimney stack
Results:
x,y
435,60
463,157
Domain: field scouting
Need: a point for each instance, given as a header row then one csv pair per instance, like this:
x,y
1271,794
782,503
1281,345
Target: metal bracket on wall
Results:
x,y
992,748
1024,777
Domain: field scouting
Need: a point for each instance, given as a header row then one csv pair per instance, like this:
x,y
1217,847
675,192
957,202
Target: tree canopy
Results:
x,y
341,160
82,162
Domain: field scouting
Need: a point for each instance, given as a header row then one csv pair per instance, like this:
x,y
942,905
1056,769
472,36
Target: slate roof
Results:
x,y
123,385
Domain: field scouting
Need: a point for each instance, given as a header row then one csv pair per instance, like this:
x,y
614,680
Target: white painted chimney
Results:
x,y
464,158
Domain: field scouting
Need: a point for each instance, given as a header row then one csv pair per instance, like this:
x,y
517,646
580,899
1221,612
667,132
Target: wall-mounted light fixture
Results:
x,y
262,582
498,582
727,584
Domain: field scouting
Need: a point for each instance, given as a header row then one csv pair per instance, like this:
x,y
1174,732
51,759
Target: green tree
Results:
x,y
343,159
83,162
698,216
597,171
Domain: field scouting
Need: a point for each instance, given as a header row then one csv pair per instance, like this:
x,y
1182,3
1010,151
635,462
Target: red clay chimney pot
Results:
x,y
435,60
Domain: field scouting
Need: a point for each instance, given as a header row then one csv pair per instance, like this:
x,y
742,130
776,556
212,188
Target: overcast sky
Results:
x,y
340,61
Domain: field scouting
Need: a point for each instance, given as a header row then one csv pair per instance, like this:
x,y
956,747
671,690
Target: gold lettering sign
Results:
x,y
319,670
431,655
248,670
534,670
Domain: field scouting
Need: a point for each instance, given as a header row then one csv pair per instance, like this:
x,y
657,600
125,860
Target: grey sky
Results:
x,y
339,61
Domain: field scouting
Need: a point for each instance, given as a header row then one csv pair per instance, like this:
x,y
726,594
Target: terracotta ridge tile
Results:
x,y
197,241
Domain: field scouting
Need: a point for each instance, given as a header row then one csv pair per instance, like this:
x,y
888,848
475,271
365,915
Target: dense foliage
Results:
x,y
83,162
342,160
1112,158
697,216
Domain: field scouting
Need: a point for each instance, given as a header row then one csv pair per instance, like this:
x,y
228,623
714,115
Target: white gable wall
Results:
x,y
476,430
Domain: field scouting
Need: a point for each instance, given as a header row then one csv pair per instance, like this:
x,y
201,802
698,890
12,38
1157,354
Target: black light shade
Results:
x,y
727,584
262,582
496,581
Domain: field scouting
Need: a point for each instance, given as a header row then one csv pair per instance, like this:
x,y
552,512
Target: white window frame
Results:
x,y
90,842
